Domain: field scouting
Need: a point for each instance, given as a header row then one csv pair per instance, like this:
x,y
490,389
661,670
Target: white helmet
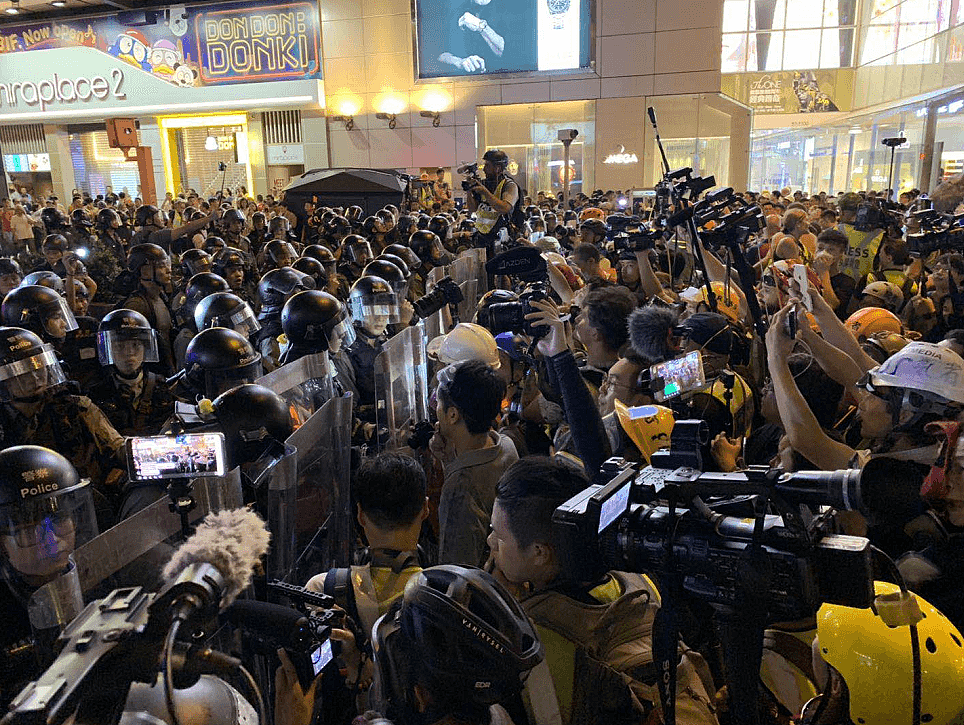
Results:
x,y
467,341
925,367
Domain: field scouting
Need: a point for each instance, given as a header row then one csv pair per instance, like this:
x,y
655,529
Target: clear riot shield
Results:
x,y
468,271
319,513
305,385
401,386
275,483
133,552
434,325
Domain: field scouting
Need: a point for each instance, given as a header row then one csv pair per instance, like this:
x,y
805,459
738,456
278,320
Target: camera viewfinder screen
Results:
x,y
182,456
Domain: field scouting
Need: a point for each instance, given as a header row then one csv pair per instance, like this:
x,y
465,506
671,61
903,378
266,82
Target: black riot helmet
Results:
x,y
148,215
40,310
397,261
228,258
259,217
280,252
439,225
497,157
406,253
118,329
390,273
28,366
81,218
225,309
8,265
218,359
355,248
279,224
213,244
56,242
372,297
10,275
254,420
318,321
368,225
353,213
424,243
194,261
233,216
314,269
46,511
198,287
108,219
276,286
323,255
147,253
422,220
47,279
405,226
338,226
52,219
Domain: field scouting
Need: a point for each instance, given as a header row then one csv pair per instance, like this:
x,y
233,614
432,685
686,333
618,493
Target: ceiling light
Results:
x,y
210,144
59,3
14,8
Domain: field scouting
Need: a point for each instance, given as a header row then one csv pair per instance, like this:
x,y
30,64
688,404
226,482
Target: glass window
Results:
x,y
734,53
801,49
803,14
735,15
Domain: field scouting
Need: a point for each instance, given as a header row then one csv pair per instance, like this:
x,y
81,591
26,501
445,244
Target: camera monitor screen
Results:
x,y
503,36
181,456
677,376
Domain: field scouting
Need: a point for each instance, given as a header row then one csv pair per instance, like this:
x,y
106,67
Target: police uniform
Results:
x,y
134,410
79,352
157,310
362,355
21,657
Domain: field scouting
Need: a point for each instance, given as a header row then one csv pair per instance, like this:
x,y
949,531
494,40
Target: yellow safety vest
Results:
x,y
485,216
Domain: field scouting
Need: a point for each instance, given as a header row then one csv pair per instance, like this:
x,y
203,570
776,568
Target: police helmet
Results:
x,y
372,296
314,269
253,419
148,215
39,309
218,359
225,309
118,329
45,279
317,319
276,286
194,261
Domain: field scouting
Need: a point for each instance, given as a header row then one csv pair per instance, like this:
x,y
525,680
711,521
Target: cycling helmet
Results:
x,y
276,286
121,326
45,279
40,310
866,652
225,309
462,631
870,320
592,213
317,319
466,341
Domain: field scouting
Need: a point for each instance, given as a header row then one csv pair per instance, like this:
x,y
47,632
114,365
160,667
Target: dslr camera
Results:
x,y
445,292
511,316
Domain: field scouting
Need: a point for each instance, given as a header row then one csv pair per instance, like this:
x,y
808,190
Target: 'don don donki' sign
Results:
x,y
195,46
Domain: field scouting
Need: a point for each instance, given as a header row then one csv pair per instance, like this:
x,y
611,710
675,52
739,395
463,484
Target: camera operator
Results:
x,y
597,632
863,245
493,199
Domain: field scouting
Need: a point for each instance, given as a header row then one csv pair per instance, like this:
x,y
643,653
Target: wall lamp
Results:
x,y
434,115
390,117
349,121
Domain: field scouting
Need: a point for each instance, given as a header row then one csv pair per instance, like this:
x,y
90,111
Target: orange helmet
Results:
x,y
592,213
871,320
649,427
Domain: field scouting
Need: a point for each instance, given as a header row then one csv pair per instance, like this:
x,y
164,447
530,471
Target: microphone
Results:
x,y
213,566
652,115
273,624
649,332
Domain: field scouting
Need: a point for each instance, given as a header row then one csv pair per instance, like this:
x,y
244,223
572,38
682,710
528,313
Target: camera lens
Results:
x,y
506,317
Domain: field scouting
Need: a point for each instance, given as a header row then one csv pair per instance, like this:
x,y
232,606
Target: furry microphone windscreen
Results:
x,y
949,194
232,541
649,332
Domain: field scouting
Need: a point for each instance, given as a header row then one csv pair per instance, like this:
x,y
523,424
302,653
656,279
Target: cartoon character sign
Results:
x,y
165,58
185,76
132,47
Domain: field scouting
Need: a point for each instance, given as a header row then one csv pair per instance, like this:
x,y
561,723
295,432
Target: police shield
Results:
x,y
315,516
274,480
305,385
401,386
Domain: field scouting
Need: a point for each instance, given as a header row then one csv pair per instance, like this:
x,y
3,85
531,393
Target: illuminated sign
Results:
x,y
621,158
196,46
267,43
54,90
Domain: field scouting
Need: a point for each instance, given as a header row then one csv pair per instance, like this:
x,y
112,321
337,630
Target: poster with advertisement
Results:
x,y
199,45
472,38
808,91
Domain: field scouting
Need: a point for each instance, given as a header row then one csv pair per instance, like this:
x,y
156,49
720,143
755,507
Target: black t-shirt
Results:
x,y
150,235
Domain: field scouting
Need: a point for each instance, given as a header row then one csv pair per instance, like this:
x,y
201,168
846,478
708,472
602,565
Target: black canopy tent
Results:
x,y
371,189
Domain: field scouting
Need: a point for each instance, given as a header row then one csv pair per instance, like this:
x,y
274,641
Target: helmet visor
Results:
x,y
345,331
44,531
28,378
220,381
127,346
57,318
384,304
243,320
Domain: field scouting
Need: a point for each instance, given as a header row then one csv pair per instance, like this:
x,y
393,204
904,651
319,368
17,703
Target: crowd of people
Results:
x,y
837,349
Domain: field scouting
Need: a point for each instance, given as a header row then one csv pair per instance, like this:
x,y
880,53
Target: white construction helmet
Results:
x,y
466,341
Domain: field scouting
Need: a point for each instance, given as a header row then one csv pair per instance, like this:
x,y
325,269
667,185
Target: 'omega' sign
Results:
x,y
63,90
621,158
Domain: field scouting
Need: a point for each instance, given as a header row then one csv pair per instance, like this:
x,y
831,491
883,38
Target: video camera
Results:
x,y
471,174
733,217
879,214
445,292
528,266
629,233
937,232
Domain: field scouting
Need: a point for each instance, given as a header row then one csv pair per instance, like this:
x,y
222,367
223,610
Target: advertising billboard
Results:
x,y
479,37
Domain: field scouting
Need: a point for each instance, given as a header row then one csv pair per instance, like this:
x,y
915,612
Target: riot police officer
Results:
x,y
45,513
396,278
153,229
136,401
226,309
315,321
314,269
10,275
54,247
112,234
152,268
217,360
198,287
41,310
373,306
37,407
231,264
259,233
337,283
232,225
278,253
274,289
356,252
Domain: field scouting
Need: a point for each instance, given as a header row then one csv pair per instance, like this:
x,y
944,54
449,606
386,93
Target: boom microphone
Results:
x,y
649,331
213,566
652,115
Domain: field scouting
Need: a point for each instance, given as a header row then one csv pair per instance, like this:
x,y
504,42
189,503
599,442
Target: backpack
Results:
x,y
615,676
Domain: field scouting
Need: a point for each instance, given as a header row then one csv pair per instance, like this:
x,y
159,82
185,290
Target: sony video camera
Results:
x,y
628,233
471,174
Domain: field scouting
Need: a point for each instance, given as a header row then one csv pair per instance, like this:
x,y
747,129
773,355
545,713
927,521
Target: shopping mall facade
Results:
x,y
769,93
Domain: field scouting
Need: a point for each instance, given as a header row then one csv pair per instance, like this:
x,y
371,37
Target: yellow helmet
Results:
x,y
876,662
649,427
727,300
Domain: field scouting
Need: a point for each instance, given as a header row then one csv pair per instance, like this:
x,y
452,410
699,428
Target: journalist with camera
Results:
x,y
492,199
